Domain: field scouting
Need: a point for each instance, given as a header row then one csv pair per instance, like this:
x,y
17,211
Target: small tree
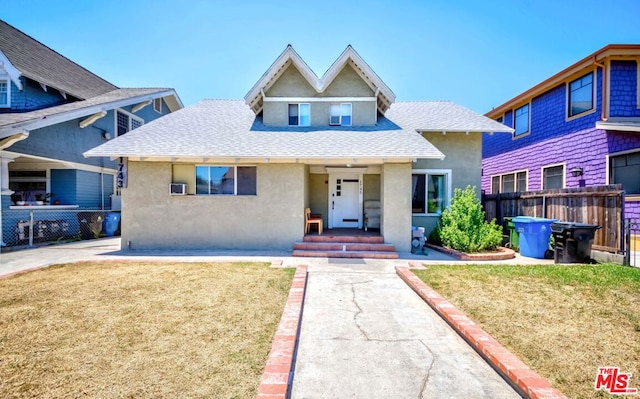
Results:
x,y
463,225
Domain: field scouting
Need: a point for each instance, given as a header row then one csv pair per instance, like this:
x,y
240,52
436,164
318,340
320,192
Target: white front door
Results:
x,y
345,197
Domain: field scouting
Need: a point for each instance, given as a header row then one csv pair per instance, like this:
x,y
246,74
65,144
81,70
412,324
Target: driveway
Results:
x,y
366,334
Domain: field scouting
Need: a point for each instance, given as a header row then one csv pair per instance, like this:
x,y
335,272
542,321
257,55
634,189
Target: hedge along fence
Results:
x,y
601,205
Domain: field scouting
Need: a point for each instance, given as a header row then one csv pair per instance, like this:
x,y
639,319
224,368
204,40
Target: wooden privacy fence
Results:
x,y
601,205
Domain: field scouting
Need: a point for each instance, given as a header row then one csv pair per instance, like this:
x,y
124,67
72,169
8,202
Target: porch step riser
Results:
x,y
345,239
319,246
345,254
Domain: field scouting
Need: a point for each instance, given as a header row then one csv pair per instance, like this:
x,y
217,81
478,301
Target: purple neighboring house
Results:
x,y
580,127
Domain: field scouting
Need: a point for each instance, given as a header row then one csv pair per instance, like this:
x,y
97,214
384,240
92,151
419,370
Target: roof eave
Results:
x,y
605,52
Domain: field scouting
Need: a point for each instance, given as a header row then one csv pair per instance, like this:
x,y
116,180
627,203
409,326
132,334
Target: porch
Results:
x,y
345,243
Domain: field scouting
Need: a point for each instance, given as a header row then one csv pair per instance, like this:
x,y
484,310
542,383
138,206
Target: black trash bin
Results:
x,y
573,241
90,224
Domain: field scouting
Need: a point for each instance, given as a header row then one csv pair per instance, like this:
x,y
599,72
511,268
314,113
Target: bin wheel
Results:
x,y
548,254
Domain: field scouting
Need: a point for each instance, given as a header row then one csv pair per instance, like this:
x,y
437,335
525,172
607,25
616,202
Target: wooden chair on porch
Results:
x,y
310,219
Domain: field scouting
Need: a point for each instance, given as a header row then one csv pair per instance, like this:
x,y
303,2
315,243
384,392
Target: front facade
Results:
x,y
51,111
581,127
243,172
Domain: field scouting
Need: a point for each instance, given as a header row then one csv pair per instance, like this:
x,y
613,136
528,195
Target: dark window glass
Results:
x,y
247,180
507,183
581,95
419,194
495,184
553,177
625,170
221,180
521,181
293,114
521,120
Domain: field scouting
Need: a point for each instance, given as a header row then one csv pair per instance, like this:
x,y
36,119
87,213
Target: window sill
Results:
x,y
632,198
42,207
427,214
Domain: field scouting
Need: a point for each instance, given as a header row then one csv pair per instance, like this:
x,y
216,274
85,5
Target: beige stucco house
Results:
x,y
250,168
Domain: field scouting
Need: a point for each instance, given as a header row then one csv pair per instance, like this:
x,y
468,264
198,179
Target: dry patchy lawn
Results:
x,y
133,330
562,321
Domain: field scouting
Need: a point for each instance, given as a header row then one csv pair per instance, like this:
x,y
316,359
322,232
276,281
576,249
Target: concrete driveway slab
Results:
x,y
366,334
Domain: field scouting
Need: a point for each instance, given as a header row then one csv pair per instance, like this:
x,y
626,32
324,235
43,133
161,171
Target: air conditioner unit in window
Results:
x,y
178,189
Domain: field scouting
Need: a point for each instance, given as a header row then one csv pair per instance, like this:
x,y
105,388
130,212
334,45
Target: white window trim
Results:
x,y
564,174
594,97
235,180
629,197
449,189
515,179
298,104
341,115
131,116
6,78
159,102
513,121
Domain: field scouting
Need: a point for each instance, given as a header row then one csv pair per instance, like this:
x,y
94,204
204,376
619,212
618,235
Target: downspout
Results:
x,y
603,116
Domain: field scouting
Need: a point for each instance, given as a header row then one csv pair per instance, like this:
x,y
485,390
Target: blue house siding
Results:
x,y
624,86
83,188
63,186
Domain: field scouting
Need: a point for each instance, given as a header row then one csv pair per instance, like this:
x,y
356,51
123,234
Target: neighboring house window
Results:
x,y
509,182
126,122
299,114
431,191
625,169
28,183
521,120
157,105
5,93
340,114
553,177
226,180
581,95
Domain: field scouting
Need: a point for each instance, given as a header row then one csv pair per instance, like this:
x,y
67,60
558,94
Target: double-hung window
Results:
x,y
126,122
624,169
5,93
553,177
509,182
340,114
581,95
300,114
521,120
226,180
431,190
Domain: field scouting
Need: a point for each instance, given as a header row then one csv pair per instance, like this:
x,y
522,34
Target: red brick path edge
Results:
x,y
276,377
529,383
502,254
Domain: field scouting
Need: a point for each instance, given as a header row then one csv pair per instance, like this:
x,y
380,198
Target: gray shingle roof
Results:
x,y
7,120
42,64
442,116
229,129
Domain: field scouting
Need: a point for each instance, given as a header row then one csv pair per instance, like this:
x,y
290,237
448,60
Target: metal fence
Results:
x,y
31,226
631,242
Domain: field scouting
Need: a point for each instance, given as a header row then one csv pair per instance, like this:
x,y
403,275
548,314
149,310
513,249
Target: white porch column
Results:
x,y
395,193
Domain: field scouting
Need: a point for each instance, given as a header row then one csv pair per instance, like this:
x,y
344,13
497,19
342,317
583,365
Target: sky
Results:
x,y
477,53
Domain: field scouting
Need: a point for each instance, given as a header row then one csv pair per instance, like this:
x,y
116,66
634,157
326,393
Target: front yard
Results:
x,y
139,329
562,321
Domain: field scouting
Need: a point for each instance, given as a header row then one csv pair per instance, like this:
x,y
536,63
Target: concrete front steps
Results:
x,y
329,246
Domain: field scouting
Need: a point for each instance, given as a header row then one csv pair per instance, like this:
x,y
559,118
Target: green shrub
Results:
x,y
463,226
434,236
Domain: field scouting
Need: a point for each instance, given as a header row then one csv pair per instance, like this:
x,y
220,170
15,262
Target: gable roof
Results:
x,y
612,50
36,61
349,56
228,130
17,122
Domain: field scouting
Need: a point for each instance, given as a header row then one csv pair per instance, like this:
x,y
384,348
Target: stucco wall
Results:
x,y
319,196
371,187
396,205
272,219
346,84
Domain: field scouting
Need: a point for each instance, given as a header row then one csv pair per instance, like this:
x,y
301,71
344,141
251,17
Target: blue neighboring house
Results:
x,y
51,111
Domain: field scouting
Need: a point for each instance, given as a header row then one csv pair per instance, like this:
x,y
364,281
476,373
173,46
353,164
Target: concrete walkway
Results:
x,y
366,334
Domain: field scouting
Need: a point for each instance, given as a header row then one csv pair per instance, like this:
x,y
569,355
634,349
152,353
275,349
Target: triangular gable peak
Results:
x,y
255,96
7,69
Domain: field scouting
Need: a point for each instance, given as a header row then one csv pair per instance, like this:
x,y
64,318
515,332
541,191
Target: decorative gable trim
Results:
x,y
13,72
255,97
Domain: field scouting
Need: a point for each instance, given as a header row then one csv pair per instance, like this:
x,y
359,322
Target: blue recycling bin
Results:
x,y
111,223
534,235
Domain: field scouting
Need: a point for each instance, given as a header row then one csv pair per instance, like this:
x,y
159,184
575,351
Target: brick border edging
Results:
x,y
526,381
504,254
278,372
